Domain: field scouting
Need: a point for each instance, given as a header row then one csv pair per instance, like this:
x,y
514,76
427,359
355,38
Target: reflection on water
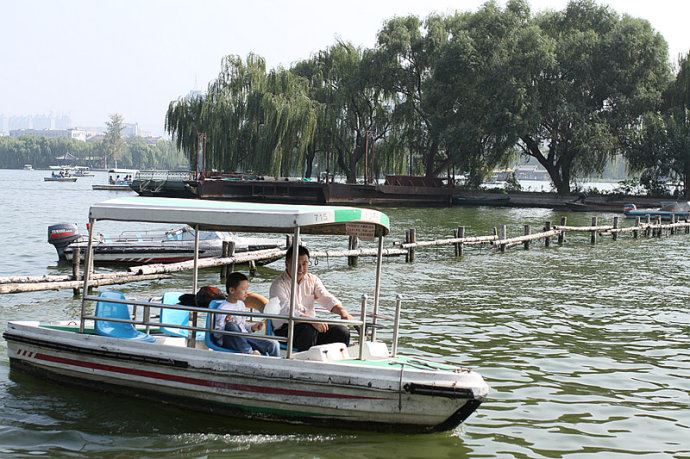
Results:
x,y
585,347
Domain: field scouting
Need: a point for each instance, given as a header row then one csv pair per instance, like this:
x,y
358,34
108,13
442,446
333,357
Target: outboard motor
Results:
x,y
61,235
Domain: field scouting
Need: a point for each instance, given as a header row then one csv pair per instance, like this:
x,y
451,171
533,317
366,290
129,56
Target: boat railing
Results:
x,y
148,321
175,176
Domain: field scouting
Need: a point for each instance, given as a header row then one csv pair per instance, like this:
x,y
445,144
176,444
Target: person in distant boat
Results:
x,y
110,180
310,290
236,287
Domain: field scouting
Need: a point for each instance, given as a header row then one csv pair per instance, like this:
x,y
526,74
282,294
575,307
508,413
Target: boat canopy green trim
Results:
x,y
243,216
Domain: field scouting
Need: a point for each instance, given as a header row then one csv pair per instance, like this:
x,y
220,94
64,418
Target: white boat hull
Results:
x,y
384,395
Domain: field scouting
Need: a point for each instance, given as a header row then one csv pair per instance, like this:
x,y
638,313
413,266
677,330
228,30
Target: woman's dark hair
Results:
x,y
203,297
234,280
301,250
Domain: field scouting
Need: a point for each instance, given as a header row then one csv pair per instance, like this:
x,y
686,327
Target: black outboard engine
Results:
x,y
62,235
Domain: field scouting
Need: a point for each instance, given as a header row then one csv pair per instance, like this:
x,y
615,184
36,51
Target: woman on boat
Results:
x,y
310,290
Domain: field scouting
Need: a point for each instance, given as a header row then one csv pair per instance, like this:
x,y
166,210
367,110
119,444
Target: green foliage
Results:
x,y
571,88
113,143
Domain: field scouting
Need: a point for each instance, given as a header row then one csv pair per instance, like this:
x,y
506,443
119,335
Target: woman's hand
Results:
x,y
256,326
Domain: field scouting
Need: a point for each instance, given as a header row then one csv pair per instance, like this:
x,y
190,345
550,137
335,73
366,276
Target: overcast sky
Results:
x,y
89,59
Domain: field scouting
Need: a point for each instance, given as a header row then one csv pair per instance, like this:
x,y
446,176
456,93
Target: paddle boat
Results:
x,y
63,175
364,386
667,211
82,171
155,246
118,180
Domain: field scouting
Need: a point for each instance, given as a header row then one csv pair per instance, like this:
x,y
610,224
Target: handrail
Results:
x,y
149,323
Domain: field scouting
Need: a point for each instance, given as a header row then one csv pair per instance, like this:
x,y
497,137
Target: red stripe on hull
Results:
x,y
198,382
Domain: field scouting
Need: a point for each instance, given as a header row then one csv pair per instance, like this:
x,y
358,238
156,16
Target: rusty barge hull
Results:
x,y
321,193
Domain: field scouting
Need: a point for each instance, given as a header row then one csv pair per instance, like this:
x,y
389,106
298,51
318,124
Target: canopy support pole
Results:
x,y
195,285
293,289
377,289
88,268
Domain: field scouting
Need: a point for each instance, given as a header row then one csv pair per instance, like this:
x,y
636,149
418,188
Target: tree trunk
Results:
x,y
560,176
429,159
311,153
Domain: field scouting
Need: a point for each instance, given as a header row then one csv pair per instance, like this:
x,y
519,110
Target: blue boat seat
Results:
x,y
176,317
270,332
110,310
208,338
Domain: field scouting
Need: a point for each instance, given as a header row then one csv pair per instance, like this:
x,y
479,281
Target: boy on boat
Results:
x,y
236,286
310,290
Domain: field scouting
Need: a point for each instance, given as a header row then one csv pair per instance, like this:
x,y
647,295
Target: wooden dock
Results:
x,y
499,240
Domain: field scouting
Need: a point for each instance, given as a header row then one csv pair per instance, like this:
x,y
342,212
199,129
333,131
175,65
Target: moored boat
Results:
x,y
667,211
157,246
365,386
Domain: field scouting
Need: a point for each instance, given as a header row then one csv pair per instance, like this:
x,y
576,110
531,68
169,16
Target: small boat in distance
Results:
x,y
82,171
28,167
157,246
63,176
118,180
667,210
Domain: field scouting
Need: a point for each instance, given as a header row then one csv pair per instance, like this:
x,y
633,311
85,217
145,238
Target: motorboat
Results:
x,y
123,346
667,211
64,175
156,246
28,167
118,180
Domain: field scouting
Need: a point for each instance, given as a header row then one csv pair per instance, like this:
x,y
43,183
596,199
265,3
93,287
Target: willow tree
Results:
x,y
183,121
659,146
605,72
250,119
473,89
353,111
408,49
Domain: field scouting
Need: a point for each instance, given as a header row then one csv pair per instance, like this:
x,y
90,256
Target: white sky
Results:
x,y
89,59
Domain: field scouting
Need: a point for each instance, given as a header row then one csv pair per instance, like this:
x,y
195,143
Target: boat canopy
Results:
x,y
123,171
247,217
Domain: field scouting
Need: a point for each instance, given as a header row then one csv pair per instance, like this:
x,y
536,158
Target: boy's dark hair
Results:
x,y
301,250
234,280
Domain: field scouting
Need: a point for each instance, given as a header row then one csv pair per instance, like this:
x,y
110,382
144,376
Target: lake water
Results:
x,y
586,348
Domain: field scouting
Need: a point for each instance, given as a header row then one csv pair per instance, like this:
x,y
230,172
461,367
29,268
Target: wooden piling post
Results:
x,y
413,239
407,241
636,233
528,231
225,252
352,244
561,235
76,275
461,246
658,222
614,235
231,253
252,268
593,236
502,237
687,227
674,219
288,241
547,239
648,230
